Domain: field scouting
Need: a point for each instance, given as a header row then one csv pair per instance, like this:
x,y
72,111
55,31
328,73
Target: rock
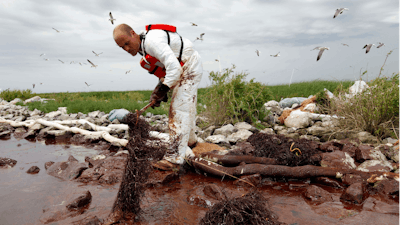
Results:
x,y
67,170
240,135
375,165
33,170
243,125
310,137
48,164
388,187
317,194
375,205
365,137
15,101
298,120
79,203
349,179
33,99
107,170
331,146
391,152
317,130
63,110
7,162
216,139
363,153
328,182
158,178
213,191
53,115
337,159
225,130
268,131
311,107
389,140
5,134
89,220
271,103
355,193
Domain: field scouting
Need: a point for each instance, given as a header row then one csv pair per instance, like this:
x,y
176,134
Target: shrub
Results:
x,y
10,95
230,98
375,110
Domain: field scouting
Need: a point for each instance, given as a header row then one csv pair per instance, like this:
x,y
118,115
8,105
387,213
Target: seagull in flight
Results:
x,y
277,55
46,59
72,62
368,47
96,53
42,54
217,60
88,84
56,30
92,64
60,61
111,19
80,63
339,11
127,71
380,44
321,50
258,52
33,85
193,24
200,38
345,44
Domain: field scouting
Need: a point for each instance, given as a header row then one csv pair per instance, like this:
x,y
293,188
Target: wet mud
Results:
x,y
172,197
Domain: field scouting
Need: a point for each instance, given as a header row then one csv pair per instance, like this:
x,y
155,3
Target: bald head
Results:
x,y
122,29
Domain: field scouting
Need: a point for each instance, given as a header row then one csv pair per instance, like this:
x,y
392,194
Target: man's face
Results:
x,y
130,43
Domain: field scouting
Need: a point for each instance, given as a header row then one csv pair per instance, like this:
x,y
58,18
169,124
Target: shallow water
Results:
x,y
24,197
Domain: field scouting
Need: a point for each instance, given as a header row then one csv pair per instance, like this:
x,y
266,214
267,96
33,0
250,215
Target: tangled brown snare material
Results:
x,y
142,149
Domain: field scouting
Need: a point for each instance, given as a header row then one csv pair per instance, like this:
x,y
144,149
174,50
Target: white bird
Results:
x,y
46,59
60,61
111,19
193,24
200,38
368,47
277,55
339,11
88,84
56,30
80,63
345,44
92,64
96,53
258,52
380,44
126,71
42,54
321,50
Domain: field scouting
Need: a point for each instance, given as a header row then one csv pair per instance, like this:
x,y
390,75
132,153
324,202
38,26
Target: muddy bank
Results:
x,y
173,197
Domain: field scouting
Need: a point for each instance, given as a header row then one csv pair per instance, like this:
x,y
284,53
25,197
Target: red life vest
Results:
x,y
152,64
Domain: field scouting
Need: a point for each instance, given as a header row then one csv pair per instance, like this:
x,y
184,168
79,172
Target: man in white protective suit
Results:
x,y
183,70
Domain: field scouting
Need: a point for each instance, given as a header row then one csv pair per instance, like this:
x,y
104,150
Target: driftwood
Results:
x,y
299,172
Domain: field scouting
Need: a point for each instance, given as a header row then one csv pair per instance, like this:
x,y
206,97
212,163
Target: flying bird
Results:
x,y
46,59
127,71
111,19
193,24
88,84
345,44
368,47
42,54
96,53
72,62
80,63
56,30
321,50
277,55
60,61
92,64
258,52
33,85
217,60
339,11
200,38
380,44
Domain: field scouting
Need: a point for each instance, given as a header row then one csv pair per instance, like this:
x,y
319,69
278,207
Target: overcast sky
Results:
x,y
233,31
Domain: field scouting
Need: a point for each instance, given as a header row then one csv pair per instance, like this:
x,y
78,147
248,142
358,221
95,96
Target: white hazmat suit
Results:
x,y
184,81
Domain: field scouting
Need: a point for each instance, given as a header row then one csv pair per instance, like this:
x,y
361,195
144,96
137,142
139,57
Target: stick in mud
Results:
x,y
138,167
